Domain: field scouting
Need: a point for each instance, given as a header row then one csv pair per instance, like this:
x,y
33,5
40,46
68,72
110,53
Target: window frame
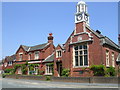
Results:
x,y
48,70
57,54
35,55
113,59
107,58
83,55
20,58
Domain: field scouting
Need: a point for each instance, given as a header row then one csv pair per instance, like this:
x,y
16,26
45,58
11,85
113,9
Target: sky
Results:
x,y
29,23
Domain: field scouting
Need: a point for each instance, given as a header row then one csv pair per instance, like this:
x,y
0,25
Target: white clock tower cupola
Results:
x,y
82,13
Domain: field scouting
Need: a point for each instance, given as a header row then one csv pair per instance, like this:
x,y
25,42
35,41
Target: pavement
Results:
x,y
24,83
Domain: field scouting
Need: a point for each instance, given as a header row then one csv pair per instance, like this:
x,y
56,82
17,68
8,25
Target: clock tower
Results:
x,y
82,14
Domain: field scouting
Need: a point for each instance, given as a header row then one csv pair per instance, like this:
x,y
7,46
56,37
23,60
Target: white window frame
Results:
x,y
48,70
19,70
5,64
107,58
10,63
58,53
36,55
113,59
29,56
74,61
20,59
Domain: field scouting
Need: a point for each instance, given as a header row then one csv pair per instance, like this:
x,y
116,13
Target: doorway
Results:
x,y
59,69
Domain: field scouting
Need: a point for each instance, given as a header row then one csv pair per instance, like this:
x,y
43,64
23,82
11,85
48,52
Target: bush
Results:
x,y
65,72
98,70
8,70
4,74
110,71
48,78
101,70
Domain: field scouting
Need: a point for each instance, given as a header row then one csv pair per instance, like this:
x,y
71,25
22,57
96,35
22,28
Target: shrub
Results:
x,y
101,70
4,74
48,78
8,70
98,70
65,72
110,71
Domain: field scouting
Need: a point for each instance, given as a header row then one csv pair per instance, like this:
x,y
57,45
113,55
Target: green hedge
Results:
x,y
101,70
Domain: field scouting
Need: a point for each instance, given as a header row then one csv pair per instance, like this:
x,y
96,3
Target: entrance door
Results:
x,y
59,69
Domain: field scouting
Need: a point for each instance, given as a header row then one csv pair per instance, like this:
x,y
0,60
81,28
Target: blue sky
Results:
x,y
29,23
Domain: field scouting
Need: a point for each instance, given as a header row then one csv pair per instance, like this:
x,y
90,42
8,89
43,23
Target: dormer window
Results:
x,y
36,55
58,53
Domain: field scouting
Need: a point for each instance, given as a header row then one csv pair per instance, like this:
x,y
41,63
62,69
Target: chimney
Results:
x,y
98,31
50,38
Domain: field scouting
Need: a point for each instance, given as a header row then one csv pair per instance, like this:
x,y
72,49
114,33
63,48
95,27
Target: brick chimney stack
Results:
x,y
50,38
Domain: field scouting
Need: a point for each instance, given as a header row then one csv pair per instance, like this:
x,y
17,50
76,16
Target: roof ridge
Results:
x,y
112,41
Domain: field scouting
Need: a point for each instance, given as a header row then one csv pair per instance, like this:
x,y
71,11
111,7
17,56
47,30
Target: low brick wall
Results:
x,y
26,77
70,79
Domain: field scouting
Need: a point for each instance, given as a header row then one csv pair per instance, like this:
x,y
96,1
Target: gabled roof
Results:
x,y
36,47
50,58
61,46
11,58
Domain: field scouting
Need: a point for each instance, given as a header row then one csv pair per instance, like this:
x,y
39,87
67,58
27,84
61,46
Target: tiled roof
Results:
x,y
50,58
106,40
36,47
11,58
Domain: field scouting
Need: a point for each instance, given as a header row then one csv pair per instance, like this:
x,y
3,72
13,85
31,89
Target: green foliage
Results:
x,y
48,78
98,70
8,70
4,74
40,72
65,72
101,70
110,71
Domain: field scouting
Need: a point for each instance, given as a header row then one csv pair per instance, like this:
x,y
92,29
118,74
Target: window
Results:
x,y
29,56
37,55
5,64
48,70
58,53
81,55
19,71
21,57
107,58
10,63
113,60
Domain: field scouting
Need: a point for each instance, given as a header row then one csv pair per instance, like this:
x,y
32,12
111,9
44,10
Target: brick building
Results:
x,y
38,54
84,47
8,62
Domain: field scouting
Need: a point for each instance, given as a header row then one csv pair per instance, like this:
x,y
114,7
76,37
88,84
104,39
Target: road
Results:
x,y
23,83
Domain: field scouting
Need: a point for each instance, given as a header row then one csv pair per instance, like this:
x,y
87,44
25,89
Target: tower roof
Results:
x,y
81,2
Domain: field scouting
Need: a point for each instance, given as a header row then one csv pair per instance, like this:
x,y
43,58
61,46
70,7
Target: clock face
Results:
x,y
86,18
79,17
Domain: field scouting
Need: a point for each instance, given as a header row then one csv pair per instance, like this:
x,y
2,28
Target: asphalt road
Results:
x,y
23,83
